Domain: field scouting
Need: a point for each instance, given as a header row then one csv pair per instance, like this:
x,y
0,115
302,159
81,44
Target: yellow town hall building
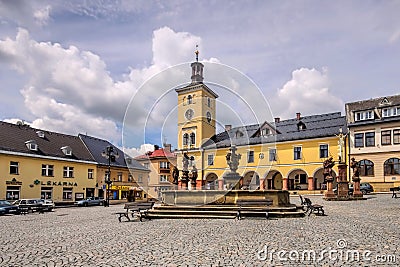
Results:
x,y
282,154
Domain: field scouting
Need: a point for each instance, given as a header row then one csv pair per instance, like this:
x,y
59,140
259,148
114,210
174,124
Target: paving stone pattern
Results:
x,y
92,236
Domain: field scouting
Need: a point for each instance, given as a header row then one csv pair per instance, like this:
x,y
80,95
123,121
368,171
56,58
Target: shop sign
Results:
x,y
14,182
120,187
55,183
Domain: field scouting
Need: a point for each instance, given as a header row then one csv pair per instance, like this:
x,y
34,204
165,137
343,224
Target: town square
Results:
x,y
199,133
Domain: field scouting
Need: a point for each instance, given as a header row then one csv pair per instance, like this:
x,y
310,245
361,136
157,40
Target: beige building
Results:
x,y
35,163
160,162
374,128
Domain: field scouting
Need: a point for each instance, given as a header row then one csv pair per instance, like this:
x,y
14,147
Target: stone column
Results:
x,y
329,188
262,184
343,184
356,187
285,184
310,183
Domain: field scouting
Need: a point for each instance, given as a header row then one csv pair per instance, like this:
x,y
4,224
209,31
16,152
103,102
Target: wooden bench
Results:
x,y
253,207
138,209
313,208
395,190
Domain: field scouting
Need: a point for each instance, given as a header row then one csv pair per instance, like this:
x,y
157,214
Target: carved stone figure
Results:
x,y
328,165
356,169
185,161
232,159
175,175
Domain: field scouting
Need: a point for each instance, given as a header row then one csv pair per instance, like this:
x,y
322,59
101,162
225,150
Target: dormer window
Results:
x,y
301,126
40,134
239,134
31,145
66,150
364,115
265,132
390,112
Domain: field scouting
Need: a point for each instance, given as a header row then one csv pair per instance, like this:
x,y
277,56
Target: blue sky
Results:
x,y
73,66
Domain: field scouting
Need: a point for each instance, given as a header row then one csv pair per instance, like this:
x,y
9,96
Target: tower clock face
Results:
x,y
208,116
189,114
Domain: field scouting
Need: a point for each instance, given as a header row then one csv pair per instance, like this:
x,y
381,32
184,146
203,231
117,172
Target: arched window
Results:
x,y
185,139
208,102
366,167
192,138
392,166
189,99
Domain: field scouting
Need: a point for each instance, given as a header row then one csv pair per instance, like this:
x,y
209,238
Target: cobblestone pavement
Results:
x,y
93,237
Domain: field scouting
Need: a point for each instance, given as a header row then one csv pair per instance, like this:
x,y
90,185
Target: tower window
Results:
x,y
185,139
189,99
192,138
208,102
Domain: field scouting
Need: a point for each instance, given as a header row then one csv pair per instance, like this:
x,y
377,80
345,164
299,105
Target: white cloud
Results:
x,y
308,93
134,152
71,91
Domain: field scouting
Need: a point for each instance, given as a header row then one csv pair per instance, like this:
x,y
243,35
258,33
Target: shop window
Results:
x,y
366,167
13,192
46,193
392,166
67,193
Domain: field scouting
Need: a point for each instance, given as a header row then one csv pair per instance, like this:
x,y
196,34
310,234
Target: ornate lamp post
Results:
x,y
111,154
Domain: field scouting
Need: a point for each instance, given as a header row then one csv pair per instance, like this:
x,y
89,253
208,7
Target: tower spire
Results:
x,y
197,53
197,68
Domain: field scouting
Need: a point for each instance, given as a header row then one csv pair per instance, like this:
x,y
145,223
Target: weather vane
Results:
x,y
197,53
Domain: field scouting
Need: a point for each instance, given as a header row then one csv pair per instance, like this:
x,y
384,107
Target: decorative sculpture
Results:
x,y
175,175
232,159
328,165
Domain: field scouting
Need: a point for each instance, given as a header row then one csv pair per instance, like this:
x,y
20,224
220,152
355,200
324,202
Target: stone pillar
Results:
x,y
262,184
285,184
329,189
310,183
221,184
343,184
356,187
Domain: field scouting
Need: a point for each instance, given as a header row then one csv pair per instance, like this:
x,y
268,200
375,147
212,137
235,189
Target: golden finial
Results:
x,y
197,53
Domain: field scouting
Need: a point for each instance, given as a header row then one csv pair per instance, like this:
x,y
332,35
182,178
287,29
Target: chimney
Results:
x,y
167,147
298,115
277,120
228,127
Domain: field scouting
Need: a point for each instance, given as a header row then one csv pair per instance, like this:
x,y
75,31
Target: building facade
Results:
x,y
161,163
35,163
283,154
374,129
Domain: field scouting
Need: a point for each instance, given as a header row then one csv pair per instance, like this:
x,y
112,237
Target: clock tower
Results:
x,y
196,110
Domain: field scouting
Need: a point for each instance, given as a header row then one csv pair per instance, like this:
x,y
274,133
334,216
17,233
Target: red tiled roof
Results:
x,y
157,154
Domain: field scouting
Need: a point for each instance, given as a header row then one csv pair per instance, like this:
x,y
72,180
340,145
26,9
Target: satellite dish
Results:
x,y
20,123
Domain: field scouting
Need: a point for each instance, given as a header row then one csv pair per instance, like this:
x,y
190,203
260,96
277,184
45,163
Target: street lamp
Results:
x,y
111,154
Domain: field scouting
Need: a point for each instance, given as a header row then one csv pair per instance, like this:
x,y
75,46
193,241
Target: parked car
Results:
x,y
7,208
90,201
31,204
48,204
366,188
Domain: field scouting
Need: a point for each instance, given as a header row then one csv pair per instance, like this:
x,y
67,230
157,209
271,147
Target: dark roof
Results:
x,y
374,103
13,138
315,126
96,146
